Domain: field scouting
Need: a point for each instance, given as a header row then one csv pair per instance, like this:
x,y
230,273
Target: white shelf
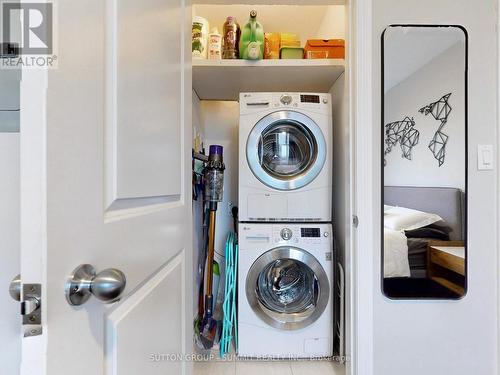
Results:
x,y
271,2
225,79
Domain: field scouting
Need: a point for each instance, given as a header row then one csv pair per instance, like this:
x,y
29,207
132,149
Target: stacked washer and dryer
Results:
x,y
285,271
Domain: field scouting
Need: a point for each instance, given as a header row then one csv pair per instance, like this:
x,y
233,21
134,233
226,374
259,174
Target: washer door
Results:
x,y
286,150
287,288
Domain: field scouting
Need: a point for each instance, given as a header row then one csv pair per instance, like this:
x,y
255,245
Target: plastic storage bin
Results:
x,y
324,49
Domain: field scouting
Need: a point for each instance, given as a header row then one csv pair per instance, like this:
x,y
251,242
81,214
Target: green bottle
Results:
x,y
252,39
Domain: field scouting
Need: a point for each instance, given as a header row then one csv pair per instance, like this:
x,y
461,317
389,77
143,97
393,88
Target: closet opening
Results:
x,y
286,290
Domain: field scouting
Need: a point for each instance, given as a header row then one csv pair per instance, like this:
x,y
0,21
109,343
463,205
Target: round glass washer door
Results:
x,y
287,288
286,150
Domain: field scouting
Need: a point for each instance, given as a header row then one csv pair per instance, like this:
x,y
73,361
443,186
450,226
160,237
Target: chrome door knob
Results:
x,y
106,286
15,288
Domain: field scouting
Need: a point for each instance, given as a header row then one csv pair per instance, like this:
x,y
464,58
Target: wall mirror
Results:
x,y
424,162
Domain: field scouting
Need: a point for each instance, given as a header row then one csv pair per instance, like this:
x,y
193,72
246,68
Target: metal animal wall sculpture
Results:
x,y
440,110
404,133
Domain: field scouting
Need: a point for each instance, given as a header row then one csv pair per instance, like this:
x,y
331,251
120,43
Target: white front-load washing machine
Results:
x,y
285,157
285,307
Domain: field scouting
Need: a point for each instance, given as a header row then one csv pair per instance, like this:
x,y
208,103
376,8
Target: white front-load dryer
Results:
x,y
285,307
285,157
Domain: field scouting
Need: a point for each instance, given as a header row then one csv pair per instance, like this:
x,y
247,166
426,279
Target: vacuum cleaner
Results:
x,y
214,188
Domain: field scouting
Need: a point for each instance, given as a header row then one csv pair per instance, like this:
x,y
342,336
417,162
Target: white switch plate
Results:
x,y
484,157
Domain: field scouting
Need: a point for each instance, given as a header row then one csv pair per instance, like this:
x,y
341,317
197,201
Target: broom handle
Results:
x,y
211,250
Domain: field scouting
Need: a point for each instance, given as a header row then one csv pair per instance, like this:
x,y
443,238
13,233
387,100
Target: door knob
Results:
x,y
15,288
106,286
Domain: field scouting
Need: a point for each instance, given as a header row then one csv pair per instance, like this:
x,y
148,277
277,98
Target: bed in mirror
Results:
x,y
424,162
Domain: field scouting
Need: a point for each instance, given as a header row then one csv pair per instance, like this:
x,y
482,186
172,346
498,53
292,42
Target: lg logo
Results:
x,y
34,32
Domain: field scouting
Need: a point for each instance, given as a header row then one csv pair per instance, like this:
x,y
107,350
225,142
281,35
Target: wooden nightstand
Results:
x,y
446,264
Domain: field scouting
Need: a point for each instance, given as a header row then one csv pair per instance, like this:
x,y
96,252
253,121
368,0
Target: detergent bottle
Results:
x,y
252,39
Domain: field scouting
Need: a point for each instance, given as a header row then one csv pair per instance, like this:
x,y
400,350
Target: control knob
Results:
x,y
286,233
286,99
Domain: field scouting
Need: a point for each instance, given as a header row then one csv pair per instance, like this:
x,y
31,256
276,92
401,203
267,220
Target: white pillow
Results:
x,y
401,218
387,207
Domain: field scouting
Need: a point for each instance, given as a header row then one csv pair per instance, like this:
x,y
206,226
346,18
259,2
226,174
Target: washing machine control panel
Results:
x,y
302,235
261,102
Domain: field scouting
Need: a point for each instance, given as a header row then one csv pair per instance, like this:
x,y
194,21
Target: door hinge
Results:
x,y
31,309
355,221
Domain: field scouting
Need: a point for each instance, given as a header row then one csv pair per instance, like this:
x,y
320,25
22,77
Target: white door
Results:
x,y
105,175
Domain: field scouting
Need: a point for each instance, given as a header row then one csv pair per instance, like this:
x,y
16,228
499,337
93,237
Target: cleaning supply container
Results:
x,y
272,45
252,39
199,38
291,53
230,39
214,45
289,40
324,49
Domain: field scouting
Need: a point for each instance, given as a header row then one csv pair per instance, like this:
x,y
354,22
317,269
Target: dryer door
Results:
x,y
286,150
287,288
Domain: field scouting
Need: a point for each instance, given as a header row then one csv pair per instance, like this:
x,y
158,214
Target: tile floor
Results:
x,y
268,368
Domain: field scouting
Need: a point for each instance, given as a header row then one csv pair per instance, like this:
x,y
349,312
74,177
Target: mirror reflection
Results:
x,y
424,158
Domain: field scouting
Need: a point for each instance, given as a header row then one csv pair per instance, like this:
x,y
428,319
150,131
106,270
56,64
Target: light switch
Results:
x,y
484,157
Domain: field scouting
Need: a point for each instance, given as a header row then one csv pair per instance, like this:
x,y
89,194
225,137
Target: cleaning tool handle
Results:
x,y
209,300
211,250
234,212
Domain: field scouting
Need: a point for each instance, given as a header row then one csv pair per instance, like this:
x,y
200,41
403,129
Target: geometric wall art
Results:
x,y
440,110
403,133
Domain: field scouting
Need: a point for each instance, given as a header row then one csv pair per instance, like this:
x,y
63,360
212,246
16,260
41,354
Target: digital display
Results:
x,y
309,98
310,232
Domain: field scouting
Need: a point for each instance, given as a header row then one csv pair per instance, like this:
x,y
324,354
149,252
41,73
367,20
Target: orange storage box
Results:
x,y
324,49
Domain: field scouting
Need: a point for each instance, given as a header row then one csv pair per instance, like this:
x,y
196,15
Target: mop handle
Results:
x,y
211,250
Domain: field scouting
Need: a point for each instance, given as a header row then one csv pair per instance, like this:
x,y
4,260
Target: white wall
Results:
x,y
341,180
221,122
9,99
442,75
10,320
198,204
218,121
445,337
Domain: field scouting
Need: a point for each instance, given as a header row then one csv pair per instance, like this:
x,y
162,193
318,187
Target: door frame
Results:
x,y
498,184
364,203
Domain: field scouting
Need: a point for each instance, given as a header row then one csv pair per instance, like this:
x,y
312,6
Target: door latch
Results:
x,y
31,309
31,305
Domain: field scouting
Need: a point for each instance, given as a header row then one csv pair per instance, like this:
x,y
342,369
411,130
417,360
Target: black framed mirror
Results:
x,y
424,162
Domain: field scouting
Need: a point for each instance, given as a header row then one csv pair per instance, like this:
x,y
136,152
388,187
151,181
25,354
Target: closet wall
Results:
x,y
446,337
